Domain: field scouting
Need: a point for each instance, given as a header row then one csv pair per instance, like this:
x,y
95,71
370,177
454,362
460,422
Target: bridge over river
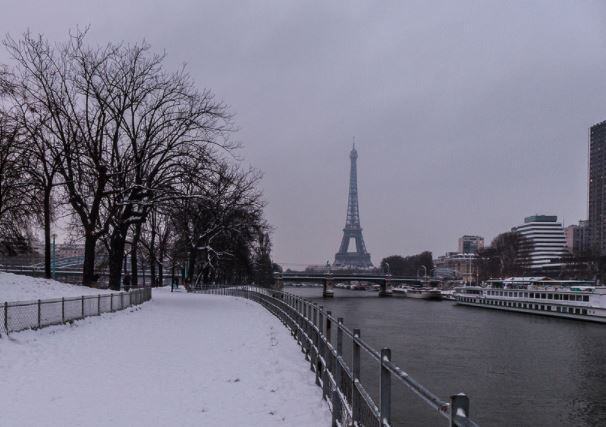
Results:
x,y
329,279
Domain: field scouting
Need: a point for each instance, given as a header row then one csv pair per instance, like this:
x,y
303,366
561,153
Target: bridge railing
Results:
x,y
321,337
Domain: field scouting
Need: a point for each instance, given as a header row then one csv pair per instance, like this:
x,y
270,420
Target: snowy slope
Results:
x,y
178,360
16,287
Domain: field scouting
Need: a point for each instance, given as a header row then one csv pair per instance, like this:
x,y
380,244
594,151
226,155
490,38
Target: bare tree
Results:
x,y
162,119
58,87
15,196
127,141
220,209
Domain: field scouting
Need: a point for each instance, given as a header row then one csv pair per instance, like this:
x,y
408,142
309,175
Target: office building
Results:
x,y
470,244
578,238
597,187
544,242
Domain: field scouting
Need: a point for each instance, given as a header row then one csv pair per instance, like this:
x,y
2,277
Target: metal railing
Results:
x,y
321,337
22,315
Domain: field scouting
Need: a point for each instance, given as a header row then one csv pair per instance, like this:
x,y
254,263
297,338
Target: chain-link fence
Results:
x,y
18,316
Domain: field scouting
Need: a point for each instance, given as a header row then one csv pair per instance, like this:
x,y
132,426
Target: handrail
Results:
x,y
308,323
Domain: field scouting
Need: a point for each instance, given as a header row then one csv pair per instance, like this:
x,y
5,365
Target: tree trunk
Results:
x,y
47,233
133,256
88,269
116,255
191,264
152,255
160,273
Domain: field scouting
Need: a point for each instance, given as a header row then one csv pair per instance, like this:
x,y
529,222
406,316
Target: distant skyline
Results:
x,y
468,116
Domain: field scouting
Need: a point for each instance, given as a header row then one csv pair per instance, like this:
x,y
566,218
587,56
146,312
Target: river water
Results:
x,y
518,369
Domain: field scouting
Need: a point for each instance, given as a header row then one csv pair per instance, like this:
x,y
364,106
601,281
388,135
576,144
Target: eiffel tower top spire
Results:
x,y
353,230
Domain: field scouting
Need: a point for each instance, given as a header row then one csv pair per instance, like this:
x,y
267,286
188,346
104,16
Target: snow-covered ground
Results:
x,y
178,360
17,287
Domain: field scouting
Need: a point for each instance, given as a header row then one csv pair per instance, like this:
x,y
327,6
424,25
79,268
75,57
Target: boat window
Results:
x,y
586,298
565,297
542,296
549,296
583,311
532,295
525,294
556,296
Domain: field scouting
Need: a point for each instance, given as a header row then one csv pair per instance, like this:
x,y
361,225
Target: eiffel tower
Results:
x,y
360,258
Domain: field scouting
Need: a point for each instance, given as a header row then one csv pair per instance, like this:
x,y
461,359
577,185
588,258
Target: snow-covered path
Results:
x,y
178,360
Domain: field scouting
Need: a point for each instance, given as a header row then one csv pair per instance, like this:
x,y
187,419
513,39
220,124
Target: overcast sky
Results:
x,y
468,116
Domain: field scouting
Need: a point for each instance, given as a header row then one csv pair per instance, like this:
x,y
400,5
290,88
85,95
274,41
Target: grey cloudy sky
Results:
x,y
468,115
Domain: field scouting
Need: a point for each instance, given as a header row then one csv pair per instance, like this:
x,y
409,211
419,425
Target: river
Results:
x,y
518,369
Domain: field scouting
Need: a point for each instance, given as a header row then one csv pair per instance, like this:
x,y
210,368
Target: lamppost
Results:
x,y
54,258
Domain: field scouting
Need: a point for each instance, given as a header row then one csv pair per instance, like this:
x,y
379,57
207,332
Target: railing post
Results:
x,y
339,336
315,345
327,355
83,306
385,388
459,405
99,305
111,302
355,395
62,310
328,327
6,317
336,402
39,315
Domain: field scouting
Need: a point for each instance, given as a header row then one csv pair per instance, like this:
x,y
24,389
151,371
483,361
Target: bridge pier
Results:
x,y
328,292
386,289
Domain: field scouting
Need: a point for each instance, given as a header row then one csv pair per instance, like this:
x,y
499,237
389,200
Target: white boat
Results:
x,y
448,295
420,293
566,299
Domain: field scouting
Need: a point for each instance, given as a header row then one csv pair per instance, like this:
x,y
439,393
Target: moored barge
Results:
x,y
567,299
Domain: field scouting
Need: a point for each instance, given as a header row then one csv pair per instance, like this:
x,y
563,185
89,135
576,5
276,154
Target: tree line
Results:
x,y
138,159
410,266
